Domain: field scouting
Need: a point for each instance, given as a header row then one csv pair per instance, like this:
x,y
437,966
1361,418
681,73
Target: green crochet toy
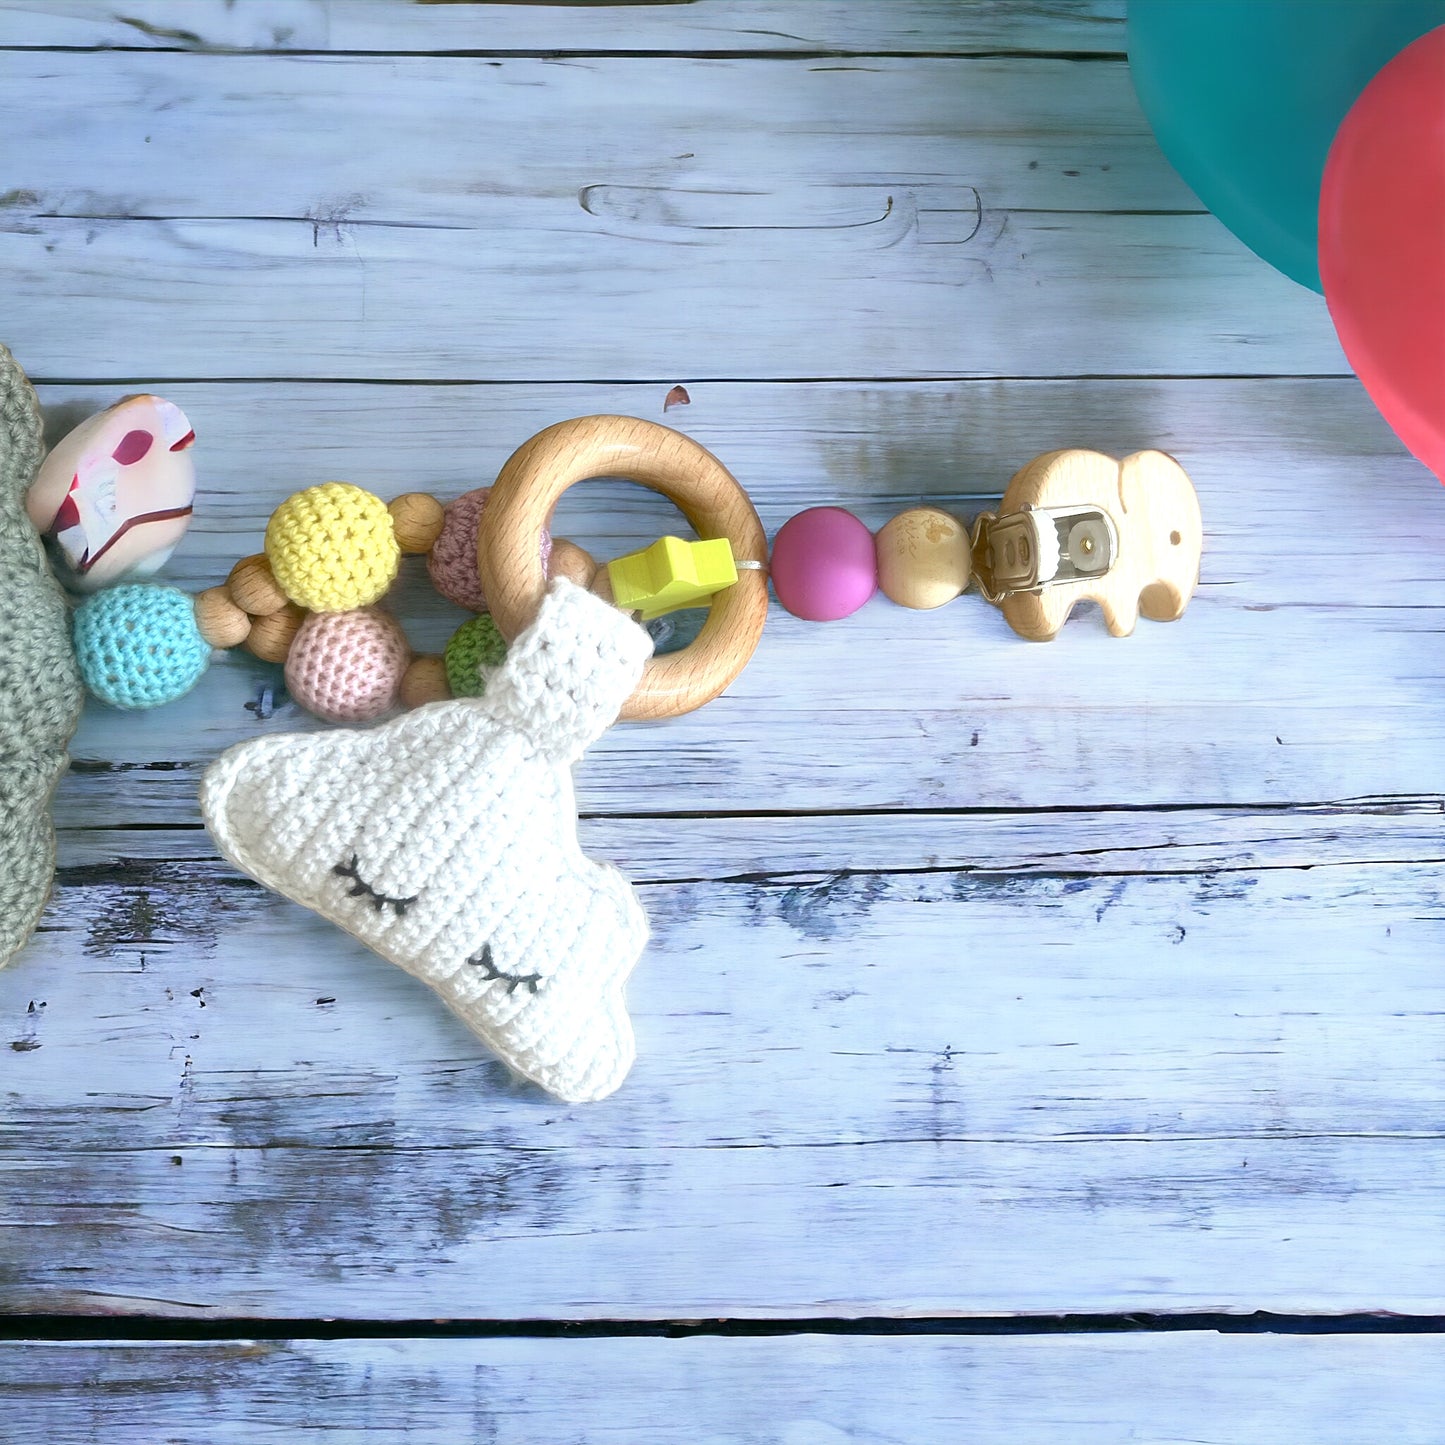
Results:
x,y
40,691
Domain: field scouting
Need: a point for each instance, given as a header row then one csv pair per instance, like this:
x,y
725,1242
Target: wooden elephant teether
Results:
x,y
1072,525
1076,525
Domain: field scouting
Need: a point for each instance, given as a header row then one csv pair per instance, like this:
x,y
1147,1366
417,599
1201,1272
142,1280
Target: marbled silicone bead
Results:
x,y
115,494
824,564
347,666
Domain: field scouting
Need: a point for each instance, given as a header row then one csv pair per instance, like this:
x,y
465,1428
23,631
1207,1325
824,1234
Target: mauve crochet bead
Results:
x,y
452,561
824,564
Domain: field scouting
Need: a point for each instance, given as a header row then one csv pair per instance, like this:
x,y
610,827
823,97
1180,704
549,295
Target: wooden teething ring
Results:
x,y
706,493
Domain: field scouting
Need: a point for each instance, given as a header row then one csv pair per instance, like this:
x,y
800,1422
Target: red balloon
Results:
x,y
1382,243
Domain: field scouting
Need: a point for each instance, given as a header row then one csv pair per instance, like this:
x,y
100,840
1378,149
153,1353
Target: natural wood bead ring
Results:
x,y
708,495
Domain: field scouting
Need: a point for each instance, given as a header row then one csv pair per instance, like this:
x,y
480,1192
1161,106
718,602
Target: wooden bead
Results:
x,y
219,620
270,635
253,589
924,558
425,681
417,520
572,562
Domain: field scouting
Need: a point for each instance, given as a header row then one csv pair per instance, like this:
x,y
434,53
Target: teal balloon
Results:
x,y
1245,97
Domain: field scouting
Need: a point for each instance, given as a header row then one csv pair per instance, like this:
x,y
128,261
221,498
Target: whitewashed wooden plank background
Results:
x,y
442,247
777,27
904,1094
990,979
1201,1388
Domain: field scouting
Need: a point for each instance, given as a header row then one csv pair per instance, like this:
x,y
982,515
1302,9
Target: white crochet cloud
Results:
x,y
447,841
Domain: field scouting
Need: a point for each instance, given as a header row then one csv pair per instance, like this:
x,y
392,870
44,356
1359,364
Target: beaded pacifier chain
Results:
x,y
1073,525
445,839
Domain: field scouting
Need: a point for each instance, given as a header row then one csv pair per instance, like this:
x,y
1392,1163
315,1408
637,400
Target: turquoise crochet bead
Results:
x,y
138,646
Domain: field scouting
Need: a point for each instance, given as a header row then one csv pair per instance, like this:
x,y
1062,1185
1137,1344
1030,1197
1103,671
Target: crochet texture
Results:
x,y
447,841
332,547
475,649
452,561
138,645
347,666
39,686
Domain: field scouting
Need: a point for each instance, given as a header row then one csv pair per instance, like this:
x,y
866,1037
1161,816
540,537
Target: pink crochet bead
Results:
x,y
824,564
347,666
452,560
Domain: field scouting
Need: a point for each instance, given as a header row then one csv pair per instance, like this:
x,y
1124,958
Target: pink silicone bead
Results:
x,y
824,564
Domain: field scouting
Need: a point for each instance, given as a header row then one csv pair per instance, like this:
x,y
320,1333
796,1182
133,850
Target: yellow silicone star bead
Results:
x,y
671,574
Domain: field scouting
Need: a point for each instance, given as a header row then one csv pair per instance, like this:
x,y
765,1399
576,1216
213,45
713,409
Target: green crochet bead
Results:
x,y
138,645
476,647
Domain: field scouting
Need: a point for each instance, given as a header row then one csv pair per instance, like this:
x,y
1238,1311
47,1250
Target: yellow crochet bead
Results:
x,y
332,547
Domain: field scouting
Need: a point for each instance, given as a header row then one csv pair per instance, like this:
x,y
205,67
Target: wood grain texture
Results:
x,y
807,1390
668,848
400,303
901,210
394,26
1147,1091
652,148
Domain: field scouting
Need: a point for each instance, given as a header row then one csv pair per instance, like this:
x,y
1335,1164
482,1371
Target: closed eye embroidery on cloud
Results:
x,y
514,981
363,889
466,810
